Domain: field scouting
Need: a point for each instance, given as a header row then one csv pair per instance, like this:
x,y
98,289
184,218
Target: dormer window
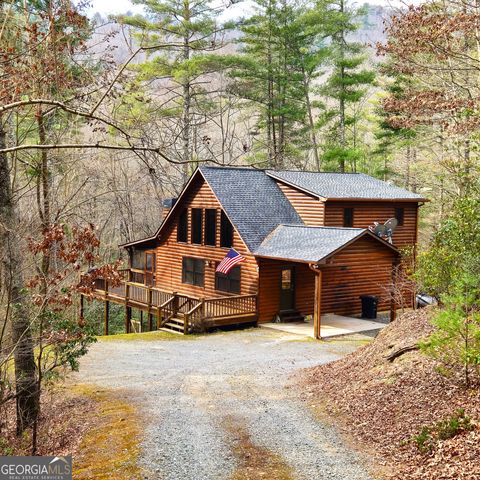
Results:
x,y
348,217
226,231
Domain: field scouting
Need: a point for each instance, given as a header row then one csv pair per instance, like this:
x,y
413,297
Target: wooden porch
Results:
x,y
172,311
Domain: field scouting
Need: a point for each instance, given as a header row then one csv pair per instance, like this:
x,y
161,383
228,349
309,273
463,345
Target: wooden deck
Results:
x,y
174,311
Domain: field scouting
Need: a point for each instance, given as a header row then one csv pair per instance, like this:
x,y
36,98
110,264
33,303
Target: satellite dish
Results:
x,y
386,230
390,226
380,230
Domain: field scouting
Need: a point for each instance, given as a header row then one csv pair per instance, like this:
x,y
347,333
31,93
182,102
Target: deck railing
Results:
x,y
230,306
194,311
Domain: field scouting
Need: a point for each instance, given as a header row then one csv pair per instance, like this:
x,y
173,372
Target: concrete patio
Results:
x,y
331,326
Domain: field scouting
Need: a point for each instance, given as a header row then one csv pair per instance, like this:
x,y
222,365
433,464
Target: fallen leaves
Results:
x,y
385,404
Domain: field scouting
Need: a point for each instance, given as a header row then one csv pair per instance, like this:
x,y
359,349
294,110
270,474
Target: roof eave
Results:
x,y
357,199
137,242
282,259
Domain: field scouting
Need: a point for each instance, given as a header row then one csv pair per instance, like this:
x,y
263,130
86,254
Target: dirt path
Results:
x,y
222,406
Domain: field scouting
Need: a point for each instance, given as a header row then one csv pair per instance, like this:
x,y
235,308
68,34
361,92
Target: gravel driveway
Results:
x,y
203,399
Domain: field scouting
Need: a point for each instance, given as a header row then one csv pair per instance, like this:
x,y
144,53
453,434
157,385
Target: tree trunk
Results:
x,y
187,100
43,197
311,121
342,134
11,255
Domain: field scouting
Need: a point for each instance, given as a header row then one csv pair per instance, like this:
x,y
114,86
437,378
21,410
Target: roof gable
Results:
x,y
310,244
327,185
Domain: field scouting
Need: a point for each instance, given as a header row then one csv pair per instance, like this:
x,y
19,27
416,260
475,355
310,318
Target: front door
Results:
x,y
287,288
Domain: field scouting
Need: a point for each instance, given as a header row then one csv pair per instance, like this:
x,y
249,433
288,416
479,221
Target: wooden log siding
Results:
x,y
170,252
269,293
365,213
362,268
310,208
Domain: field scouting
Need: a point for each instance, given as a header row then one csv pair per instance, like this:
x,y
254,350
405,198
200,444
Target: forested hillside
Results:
x,y
101,119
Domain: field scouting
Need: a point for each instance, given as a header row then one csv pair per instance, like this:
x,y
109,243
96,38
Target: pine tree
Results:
x,y
346,86
188,37
269,76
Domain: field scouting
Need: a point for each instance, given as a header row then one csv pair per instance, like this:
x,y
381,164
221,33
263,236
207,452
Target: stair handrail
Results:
x,y
163,306
190,314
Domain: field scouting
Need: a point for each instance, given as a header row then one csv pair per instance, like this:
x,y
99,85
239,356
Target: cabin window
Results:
x,y
226,231
399,215
210,226
348,217
138,259
150,269
193,271
228,283
182,228
197,225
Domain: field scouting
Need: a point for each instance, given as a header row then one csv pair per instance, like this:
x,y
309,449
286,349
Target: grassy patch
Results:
x,y
144,337
110,448
255,462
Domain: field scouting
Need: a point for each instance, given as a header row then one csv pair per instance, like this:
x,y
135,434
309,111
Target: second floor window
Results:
x,y
226,231
197,225
399,215
210,226
348,217
182,227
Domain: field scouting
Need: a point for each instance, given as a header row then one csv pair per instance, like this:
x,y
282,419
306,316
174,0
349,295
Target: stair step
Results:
x,y
177,332
174,326
291,316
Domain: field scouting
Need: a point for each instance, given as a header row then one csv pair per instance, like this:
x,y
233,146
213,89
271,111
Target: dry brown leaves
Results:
x,y
64,419
383,404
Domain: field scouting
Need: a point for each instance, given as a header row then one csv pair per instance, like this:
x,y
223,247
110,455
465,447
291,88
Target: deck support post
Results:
x,y
128,319
159,317
128,310
149,309
106,313
317,305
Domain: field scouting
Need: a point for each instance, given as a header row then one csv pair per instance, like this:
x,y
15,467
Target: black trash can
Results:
x,y
369,306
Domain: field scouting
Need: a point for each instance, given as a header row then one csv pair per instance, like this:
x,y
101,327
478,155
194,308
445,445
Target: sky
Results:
x,y
107,7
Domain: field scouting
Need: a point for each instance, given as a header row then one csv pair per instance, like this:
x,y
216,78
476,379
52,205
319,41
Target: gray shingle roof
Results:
x,y
252,200
307,244
344,185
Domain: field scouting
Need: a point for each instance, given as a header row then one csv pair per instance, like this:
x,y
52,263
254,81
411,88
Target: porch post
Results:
x,y
318,304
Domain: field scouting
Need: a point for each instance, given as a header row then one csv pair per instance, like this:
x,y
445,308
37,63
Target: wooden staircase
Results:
x,y
174,325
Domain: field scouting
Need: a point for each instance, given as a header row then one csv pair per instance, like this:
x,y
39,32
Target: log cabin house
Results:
x,y
304,237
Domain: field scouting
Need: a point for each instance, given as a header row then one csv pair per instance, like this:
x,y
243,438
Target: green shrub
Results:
x,y
443,430
456,341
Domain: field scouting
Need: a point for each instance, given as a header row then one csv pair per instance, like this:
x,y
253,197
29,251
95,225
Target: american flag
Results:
x,y
230,260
